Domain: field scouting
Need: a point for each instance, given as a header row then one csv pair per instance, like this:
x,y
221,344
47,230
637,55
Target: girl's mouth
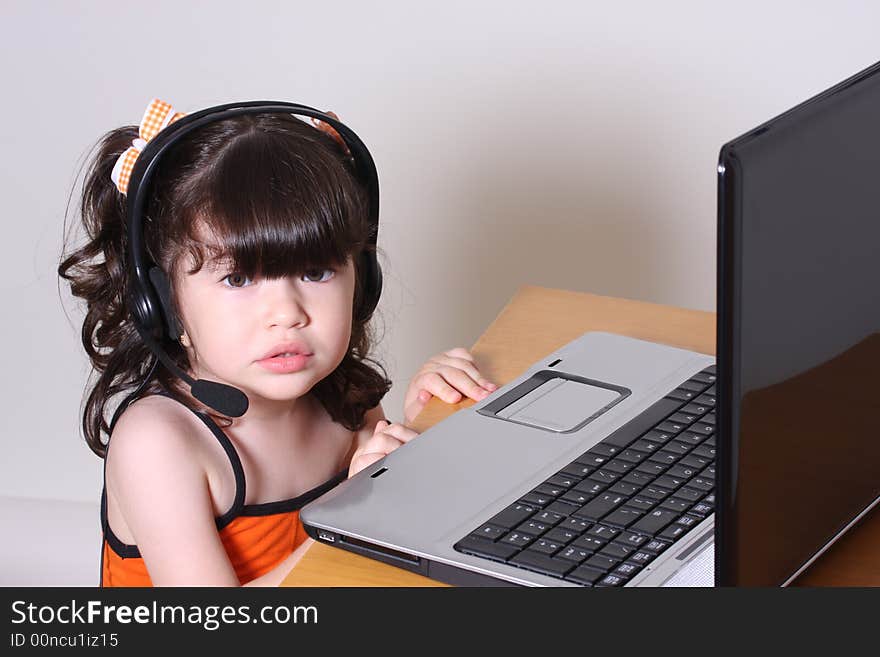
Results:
x,y
285,363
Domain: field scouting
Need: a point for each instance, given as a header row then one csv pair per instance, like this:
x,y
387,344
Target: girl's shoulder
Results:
x,y
153,437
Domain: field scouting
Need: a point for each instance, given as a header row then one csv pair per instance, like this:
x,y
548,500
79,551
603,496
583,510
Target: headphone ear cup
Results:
x,y
371,286
168,318
144,312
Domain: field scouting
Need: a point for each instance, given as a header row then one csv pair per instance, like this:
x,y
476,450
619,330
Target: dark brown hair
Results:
x,y
282,199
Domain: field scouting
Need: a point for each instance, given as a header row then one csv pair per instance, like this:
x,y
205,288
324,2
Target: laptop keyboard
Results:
x,y
604,516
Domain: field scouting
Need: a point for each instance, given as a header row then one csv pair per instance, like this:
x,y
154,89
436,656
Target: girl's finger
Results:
x,y
415,407
459,352
434,383
383,443
362,461
467,366
463,383
402,433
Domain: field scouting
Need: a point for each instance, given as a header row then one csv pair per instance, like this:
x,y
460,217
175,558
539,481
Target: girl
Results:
x,y
258,223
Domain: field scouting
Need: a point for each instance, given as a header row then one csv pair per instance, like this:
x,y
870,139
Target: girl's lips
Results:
x,y
285,364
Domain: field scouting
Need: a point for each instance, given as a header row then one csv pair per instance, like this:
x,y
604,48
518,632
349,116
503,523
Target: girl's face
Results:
x,y
272,338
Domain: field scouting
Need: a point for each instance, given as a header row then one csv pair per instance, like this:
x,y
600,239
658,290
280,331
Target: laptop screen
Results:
x,y
798,333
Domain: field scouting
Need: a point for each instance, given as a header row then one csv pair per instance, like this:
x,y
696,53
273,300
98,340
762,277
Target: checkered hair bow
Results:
x,y
158,115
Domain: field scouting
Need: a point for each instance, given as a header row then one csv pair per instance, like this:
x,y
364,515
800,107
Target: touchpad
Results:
x,y
556,402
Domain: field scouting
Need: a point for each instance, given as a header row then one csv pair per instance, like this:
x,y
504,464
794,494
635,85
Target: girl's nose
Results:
x,y
284,306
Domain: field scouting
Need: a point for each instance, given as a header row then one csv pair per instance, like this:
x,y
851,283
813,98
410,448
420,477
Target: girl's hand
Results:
x,y
386,438
449,376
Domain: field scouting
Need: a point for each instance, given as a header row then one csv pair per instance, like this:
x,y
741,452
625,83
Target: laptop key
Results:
x,y
627,569
696,386
589,543
696,408
652,468
624,488
547,489
548,517
638,478
585,575
517,539
595,460
677,447
612,580
679,471
671,427
653,521
673,532
602,562
689,494
576,470
562,508
642,503
643,422
576,497
641,557
590,487
681,394
561,535
604,476
599,506
654,492
485,548
646,446
490,532
655,546
632,456
665,458
704,377
603,531
619,466
705,451
709,419
541,563
675,504
535,499
701,484
683,418
668,481
706,399
561,481
623,517
513,515
701,509
544,546
533,528
577,555
605,449
660,437
695,461
575,525
631,539
617,550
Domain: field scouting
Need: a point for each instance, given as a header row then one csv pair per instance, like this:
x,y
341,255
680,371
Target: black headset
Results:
x,y
149,292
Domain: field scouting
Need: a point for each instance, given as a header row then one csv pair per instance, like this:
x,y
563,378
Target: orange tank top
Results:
x,y
256,537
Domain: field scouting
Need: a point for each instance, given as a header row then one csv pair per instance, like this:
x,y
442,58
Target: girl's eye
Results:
x,y
322,275
236,279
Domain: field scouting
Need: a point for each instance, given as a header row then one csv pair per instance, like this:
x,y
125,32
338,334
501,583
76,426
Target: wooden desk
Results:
x,y
536,322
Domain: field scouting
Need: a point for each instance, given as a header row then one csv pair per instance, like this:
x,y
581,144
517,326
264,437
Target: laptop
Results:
x,y
619,462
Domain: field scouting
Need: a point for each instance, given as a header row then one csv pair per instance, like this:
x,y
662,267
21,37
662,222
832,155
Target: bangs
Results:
x,y
265,208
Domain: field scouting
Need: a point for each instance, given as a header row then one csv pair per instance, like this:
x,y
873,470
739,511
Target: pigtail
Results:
x,y
97,273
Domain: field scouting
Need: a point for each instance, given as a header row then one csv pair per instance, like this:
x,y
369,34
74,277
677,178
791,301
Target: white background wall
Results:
x,y
572,145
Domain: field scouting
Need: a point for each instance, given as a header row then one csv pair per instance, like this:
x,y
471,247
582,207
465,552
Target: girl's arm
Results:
x,y
160,484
